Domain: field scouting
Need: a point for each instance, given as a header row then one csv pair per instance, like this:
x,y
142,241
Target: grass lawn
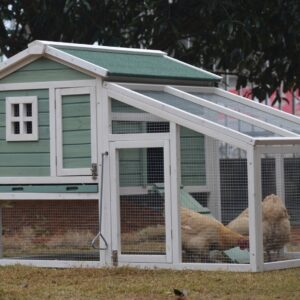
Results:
x,y
18,282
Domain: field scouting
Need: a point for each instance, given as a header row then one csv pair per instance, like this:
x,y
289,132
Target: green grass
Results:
x,y
19,282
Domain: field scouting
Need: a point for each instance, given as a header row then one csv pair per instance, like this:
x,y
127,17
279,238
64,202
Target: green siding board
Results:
x,y
78,110
44,63
140,65
75,151
130,167
118,106
71,188
24,171
41,94
81,162
25,160
76,131
24,147
76,137
83,123
192,152
41,70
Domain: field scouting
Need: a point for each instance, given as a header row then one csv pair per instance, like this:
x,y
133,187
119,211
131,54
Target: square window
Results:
x,y
21,118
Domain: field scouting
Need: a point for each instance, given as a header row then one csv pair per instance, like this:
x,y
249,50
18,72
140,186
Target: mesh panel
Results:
x,y
128,119
280,206
142,201
209,231
60,230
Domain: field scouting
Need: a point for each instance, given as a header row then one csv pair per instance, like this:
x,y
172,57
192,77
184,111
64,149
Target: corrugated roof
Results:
x,y
138,64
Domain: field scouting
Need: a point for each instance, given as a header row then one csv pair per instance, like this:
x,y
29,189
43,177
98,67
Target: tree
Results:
x,y
259,40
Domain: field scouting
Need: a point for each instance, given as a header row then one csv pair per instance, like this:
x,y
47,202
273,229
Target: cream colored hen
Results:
x,y
276,224
200,234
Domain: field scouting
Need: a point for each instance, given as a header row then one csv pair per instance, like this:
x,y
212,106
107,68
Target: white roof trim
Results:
x,y
37,51
98,48
73,60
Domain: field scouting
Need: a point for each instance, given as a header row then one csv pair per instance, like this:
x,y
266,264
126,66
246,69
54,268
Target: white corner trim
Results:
x,y
17,61
37,49
61,55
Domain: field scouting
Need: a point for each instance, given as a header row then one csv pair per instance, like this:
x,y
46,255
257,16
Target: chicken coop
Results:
x,y
117,156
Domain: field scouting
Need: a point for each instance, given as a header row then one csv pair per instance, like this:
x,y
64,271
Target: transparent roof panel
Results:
x,y
249,111
209,114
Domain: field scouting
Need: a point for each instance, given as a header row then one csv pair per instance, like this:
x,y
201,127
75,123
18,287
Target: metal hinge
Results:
x,y
94,170
114,258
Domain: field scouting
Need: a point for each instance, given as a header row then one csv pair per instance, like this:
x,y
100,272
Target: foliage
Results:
x,y
260,40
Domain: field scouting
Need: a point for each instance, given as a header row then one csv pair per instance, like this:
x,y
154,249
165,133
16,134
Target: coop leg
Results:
x,y
1,234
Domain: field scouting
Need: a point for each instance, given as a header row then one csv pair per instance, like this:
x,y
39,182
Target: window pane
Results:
x,y
28,109
28,127
16,127
16,110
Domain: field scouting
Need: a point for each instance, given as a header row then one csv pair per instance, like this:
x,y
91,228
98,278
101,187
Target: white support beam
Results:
x,y
178,116
255,210
231,113
104,126
242,100
212,164
175,191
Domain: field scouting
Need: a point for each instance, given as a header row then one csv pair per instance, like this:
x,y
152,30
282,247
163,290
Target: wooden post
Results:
x,y
175,191
255,210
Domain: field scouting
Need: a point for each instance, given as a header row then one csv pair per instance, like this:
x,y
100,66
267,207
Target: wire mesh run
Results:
x,y
210,204
127,119
281,207
142,201
49,229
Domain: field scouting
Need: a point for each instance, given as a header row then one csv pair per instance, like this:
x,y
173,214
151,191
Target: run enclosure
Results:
x,y
170,148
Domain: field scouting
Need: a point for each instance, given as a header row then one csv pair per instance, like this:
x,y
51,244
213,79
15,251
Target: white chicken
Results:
x,y
276,224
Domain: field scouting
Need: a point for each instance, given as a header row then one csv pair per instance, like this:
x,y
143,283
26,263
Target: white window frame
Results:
x,y
10,119
61,171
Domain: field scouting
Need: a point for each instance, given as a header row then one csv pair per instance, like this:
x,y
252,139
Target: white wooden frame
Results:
x,y
48,196
255,208
61,171
181,93
115,209
178,116
241,100
22,118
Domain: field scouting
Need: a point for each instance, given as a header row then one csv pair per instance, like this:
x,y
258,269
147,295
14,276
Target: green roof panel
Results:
x,y
137,64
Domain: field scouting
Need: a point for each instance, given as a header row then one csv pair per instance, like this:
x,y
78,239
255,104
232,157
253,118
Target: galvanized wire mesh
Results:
x,y
49,229
142,201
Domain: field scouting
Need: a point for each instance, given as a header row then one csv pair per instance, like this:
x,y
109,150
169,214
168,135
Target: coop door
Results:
x,y
140,189
75,130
